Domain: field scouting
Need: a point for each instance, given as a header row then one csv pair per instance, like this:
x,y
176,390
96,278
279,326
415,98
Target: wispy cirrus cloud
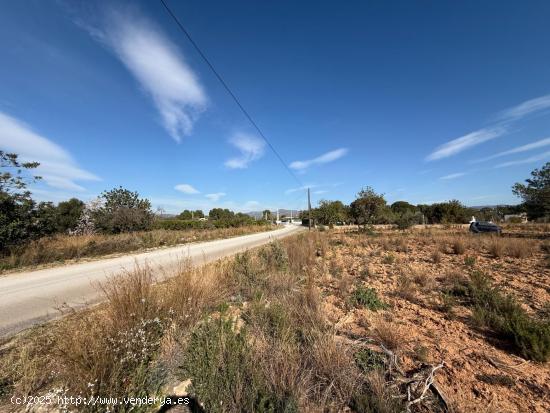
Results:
x,y
541,157
186,189
251,148
325,158
215,196
158,66
301,188
57,167
524,148
499,128
452,176
524,109
464,142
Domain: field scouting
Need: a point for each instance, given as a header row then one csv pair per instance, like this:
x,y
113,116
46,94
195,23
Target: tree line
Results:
x,y
120,210
115,211
371,208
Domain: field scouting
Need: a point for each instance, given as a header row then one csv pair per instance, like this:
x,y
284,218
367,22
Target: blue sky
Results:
x,y
424,101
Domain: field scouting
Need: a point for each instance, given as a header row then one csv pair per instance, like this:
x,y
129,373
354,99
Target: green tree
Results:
x,y
401,207
13,179
330,212
123,211
198,214
536,193
266,214
185,215
446,213
68,213
219,214
405,215
369,207
16,204
45,219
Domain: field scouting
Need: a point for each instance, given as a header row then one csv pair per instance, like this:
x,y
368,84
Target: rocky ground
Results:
x,y
408,272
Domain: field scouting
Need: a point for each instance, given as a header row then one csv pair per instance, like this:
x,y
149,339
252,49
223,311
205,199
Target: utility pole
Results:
x,y
309,209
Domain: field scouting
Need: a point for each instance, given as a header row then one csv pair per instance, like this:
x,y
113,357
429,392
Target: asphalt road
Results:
x,y
32,297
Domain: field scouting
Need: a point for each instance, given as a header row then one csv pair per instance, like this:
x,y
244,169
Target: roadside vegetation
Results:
x,y
60,248
118,221
250,333
321,321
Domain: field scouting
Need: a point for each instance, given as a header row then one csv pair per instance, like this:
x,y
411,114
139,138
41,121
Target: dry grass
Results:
x,y
114,349
406,289
517,248
60,248
436,256
389,334
458,246
495,247
276,353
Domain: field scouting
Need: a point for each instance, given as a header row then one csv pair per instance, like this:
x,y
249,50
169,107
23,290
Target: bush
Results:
x,y
367,297
219,362
388,259
181,225
274,256
469,261
406,220
368,360
503,315
123,211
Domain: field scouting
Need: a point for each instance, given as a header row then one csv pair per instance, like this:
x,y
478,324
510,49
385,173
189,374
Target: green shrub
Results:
x,y
274,256
469,261
388,259
368,360
225,378
272,320
406,220
508,320
367,297
247,275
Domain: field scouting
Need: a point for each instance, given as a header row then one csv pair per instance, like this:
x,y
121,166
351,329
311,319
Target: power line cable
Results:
x,y
216,73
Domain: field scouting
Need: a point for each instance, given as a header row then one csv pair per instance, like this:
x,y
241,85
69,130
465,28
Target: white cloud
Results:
x,y
464,142
500,128
301,188
541,157
215,196
524,148
158,66
57,167
186,189
526,108
325,158
320,191
453,176
251,148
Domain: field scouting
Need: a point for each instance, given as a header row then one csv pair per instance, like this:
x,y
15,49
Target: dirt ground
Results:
x,y
407,270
